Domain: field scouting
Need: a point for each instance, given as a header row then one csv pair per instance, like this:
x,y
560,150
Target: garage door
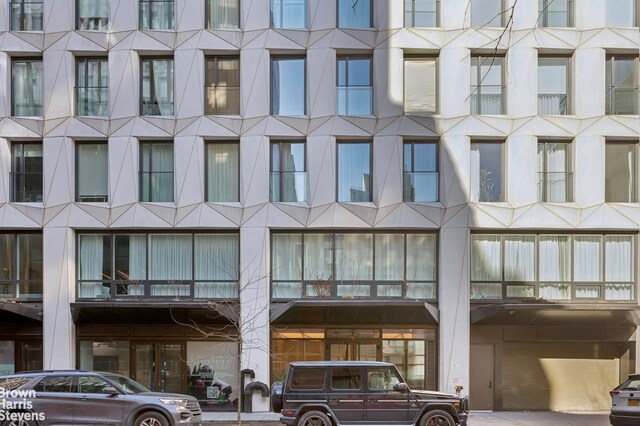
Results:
x,y
559,376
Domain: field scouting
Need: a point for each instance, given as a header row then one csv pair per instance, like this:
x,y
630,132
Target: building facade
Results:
x,y
191,188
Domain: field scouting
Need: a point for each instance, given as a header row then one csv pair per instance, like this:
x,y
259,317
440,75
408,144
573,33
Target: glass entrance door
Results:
x,y
353,351
160,366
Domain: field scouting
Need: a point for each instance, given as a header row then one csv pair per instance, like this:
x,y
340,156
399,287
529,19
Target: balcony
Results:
x,y
558,292
157,290
326,289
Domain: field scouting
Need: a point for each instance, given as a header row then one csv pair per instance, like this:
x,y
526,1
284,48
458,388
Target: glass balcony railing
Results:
x,y
92,101
326,289
561,292
289,186
552,104
621,101
135,290
21,290
355,100
421,187
222,100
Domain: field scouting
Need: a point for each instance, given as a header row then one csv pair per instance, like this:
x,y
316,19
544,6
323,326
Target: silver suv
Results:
x,y
88,398
625,402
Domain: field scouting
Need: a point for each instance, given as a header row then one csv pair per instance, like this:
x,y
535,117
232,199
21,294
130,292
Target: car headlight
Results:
x,y
176,402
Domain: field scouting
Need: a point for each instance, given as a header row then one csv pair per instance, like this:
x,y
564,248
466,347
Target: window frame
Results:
x,y
421,58
275,58
569,163
371,22
152,144
208,143
635,14
412,24
281,173
23,15
14,193
413,143
346,58
17,256
503,170
480,78
354,142
155,97
172,27
77,165
282,6
543,15
609,64
568,88
207,17
79,18
503,19
634,145
31,60
216,71
103,62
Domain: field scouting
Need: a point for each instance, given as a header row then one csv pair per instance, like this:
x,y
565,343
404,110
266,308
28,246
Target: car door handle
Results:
x,y
490,384
83,398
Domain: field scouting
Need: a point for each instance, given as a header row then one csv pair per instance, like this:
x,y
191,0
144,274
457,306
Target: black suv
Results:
x,y
356,392
42,398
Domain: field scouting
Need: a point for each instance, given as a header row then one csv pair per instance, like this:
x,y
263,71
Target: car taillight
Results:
x,y
614,392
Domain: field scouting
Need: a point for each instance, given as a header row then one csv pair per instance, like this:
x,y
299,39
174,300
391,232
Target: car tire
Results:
x,y
20,423
151,418
437,418
314,418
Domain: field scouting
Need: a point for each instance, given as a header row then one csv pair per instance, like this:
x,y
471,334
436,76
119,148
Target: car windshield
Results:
x,y
12,383
631,384
125,384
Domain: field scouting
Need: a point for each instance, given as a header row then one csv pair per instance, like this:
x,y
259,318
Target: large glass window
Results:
x,y
421,177
201,266
553,86
421,13
157,86
355,87
487,13
621,13
354,172
26,173
26,15
156,171
92,86
487,174
288,86
355,14
288,172
420,85
223,85
93,15
223,14
621,85
487,88
92,178
223,171
156,14
553,267
322,265
21,266
289,14
108,356
26,87
555,181
555,13
620,172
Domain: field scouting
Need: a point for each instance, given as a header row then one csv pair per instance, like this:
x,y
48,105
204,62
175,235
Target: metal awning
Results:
x,y
353,312
20,312
566,314
154,313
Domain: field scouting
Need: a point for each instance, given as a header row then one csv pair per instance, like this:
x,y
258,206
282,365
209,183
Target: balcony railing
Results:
x,y
487,103
289,186
355,100
421,187
565,291
552,104
157,290
323,289
26,15
223,100
92,101
26,187
555,187
157,107
621,101
21,290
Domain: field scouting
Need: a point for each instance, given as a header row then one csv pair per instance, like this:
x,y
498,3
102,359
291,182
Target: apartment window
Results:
x,y
26,15
487,174
351,264
620,172
420,85
288,86
21,266
167,264
621,85
555,13
92,91
223,85
355,87
355,14
621,13
157,86
487,88
92,173
354,171
421,177
487,13
553,86
421,13
223,171
555,181
93,15
26,172
290,14
288,172
156,171
26,87
156,14
553,267
223,14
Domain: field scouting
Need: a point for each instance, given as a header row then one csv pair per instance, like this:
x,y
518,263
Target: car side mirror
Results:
x,y
401,387
110,390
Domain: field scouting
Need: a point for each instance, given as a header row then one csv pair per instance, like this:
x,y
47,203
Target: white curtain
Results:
x,y
137,257
420,85
170,257
619,258
224,14
161,14
93,14
557,163
158,165
389,257
421,257
354,257
287,257
157,87
27,88
216,259
486,262
555,258
92,172
223,175
91,261
618,291
587,258
520,258
318,257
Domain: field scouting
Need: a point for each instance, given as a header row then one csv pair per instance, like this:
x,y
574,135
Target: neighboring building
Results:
x,y
403,181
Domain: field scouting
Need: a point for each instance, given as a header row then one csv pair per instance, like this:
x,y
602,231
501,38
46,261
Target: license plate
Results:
x,y
633,403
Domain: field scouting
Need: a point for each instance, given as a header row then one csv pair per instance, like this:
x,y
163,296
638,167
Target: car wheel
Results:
x,y
151,418
314,418
437,418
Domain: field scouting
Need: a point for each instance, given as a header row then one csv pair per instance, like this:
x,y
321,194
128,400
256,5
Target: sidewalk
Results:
x,y
476,418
